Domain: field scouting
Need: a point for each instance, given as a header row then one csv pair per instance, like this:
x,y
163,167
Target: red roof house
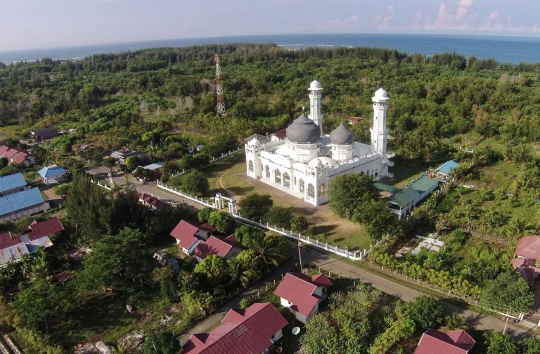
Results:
x,y
302,294
218,246
527,253
13,248
452,342
354,120
279,135
188,235
250,331
3,149
9,154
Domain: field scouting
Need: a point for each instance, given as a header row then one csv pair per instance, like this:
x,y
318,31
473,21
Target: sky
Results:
x,y
27,24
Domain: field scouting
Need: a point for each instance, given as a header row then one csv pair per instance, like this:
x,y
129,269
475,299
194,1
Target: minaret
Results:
x,y
315,113
379,133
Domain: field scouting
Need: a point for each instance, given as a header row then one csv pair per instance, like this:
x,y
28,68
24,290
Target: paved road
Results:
x,y
329,264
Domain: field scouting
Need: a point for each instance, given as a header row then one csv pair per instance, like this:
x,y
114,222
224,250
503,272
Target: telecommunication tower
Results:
x,y
219,89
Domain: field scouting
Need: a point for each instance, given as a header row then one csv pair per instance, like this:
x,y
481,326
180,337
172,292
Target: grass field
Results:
x,y
222,176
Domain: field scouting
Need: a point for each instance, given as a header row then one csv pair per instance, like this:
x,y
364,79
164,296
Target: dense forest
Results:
x,y
173,89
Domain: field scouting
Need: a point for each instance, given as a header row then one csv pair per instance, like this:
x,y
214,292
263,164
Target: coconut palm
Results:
x,y
520,227
238,274
267,251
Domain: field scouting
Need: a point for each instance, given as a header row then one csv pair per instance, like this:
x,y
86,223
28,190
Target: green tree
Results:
x,y
204,215
271,250
133,162
214,269
164,276
425,311
195,182
222,222
508,292
321,336
299,224
497,343
119,262
3,162
351,194
161,342
62,190
279,217
255,206
247,235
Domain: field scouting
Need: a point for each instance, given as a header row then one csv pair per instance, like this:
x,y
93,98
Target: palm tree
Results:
x,y
455,321
520,227
239,274
267,252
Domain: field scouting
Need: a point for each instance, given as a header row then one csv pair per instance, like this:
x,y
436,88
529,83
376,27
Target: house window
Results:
x,y
295,181
376,174
277,176
301,185
310,191
286,180
267,172
250,165
322,190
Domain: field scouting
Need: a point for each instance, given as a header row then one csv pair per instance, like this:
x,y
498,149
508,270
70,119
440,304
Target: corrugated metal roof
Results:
x,y
298,289
424,184
51,171
404,197
20,200
19,158
10,182
153,166
45,228
447,166
386,187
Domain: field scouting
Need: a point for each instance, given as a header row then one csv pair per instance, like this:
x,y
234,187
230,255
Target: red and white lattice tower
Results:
x,y
219,89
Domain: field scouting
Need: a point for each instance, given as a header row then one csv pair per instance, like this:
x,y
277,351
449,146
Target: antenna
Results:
x,y
219,89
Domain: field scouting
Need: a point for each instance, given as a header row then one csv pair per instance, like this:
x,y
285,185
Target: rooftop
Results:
x,y
452,342
185,232
20,200
45,228
447,167
10,182
298,289
240,332
154,166
51,171
214,245
528,247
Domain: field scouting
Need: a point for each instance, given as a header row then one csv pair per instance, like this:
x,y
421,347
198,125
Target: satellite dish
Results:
x,y
296,330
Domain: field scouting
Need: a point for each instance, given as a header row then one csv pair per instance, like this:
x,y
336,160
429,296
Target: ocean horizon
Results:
x,y
503,49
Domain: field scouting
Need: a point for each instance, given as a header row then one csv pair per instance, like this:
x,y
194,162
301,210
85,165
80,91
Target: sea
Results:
x,y
503,49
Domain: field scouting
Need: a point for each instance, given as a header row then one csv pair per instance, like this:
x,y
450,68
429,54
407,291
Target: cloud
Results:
x,y
384,22
464,7
338,24
447,18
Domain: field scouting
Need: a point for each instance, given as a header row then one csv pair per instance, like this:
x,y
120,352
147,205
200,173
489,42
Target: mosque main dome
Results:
x,y
303,130
342,136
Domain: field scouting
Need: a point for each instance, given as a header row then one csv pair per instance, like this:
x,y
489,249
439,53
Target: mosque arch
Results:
x,y
310,191
301,185
267,168
277,176
250,166
286,180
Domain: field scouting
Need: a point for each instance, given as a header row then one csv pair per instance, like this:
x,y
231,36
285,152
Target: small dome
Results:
x,y
316,162
303,130
315,85
342,136
381,93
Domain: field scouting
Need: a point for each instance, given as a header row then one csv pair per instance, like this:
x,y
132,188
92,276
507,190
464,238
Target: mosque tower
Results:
x,y
379,133
315,112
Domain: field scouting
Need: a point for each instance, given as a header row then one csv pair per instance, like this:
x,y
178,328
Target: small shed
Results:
x,y
444,170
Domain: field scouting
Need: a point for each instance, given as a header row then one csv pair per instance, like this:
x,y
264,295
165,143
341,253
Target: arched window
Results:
x,y
277,176
301,185
310,191
295,181
267,172
322,191
250,166
286,180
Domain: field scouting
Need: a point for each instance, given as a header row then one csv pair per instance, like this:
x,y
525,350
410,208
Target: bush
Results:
x,y
425,311
245,303
222,222
195,182
255,206
280,217
204,214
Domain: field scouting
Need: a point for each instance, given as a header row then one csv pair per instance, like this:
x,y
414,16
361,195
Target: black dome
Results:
x,y
342,136
303,130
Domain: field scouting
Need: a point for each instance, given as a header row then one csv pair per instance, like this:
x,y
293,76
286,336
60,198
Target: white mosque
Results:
x,y
303,163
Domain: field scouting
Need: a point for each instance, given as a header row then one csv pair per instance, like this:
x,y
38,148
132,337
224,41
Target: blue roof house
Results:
x,y
443,171
11,184
52,174
17,205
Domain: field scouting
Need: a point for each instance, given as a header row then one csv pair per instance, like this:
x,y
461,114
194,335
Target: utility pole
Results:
x,y
219,88
299,253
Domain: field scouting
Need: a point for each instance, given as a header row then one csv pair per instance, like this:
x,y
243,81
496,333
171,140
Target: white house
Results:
x,y
304,161
303,294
